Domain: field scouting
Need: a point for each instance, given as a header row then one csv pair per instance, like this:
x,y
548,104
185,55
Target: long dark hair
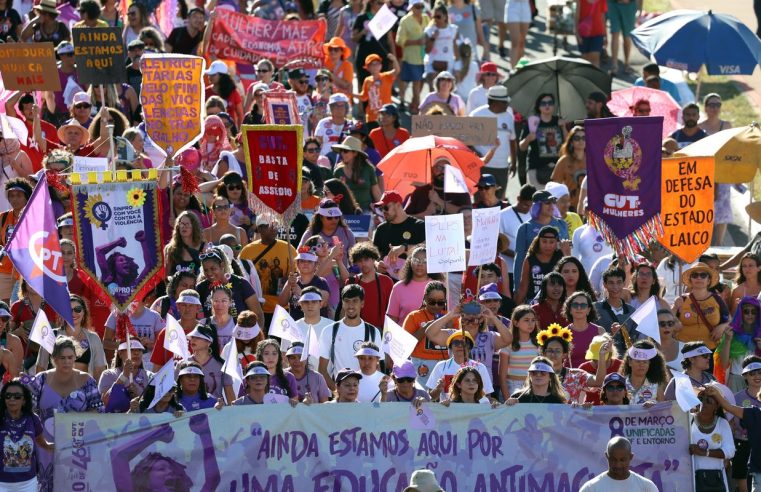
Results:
x,y
347,203
405,275
740,276
26,408
279,373
518,313
202,386
231,177
591,315
655,289
225,85
214,347
457,379
538,100
174,282
656,371
583,283
315,225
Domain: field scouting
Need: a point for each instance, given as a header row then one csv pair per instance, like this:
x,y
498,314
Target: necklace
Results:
x,y
706,429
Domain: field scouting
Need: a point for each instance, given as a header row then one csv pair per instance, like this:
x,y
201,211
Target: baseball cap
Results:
x,y
297,73
390,109
558,190
487,180
262,220
374,57
406,370
346,373
543,196
389,197
338,97
549,231
613,377
216,67
489,292
81,98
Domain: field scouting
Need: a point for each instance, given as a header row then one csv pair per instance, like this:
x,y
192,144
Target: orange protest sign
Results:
x,y
687,192
29,67
172,98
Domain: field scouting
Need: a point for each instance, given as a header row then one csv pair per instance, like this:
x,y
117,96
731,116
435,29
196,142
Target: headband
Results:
x,y
257,371
310,296
68,221
306,256
753,366
189,300
197,334
329,212
246,333
190,370
294,350
134,344
18,188
540,367
642,354
702,350
367,351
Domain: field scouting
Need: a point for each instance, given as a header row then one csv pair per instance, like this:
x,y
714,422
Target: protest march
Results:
x,y
435,245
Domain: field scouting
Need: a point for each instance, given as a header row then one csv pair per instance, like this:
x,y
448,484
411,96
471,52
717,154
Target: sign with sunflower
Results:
x,y
118,237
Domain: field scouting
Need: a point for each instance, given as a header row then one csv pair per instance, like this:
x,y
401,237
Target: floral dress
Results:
x,y
46,403
574,382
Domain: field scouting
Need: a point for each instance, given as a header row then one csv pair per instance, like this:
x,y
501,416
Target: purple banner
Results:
x,y
624,180
35,251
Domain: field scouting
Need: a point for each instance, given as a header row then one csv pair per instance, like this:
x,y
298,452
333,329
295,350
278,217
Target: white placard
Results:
x,y
397,343
90,164
382,22
454,181
445,242
483,242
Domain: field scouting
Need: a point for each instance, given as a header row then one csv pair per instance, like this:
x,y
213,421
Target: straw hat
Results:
x,y
73,123
350,143
337,42
48,6
700,267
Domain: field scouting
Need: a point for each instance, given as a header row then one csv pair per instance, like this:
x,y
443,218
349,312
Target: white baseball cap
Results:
x,y
217,66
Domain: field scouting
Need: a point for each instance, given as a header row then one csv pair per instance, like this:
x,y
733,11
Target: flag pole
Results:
x,y
129,354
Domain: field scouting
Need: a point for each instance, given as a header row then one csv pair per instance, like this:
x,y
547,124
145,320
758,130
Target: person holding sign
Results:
x,y
703,314
442,376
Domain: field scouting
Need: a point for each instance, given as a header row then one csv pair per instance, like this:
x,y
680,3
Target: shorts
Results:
x,y
740,460
411,73
591,44
492,9
518,12
622,16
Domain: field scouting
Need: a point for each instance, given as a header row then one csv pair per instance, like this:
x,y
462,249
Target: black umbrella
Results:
x,y
570,80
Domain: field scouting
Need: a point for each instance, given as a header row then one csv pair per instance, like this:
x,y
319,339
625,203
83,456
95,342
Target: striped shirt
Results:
x,y
521,359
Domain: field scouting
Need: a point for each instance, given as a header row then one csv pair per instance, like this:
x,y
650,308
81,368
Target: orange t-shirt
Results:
x,y
344,72
384,145
7,224
377,93
424,348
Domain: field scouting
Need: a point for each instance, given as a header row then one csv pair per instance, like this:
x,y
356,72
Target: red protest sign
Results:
x,y
273,165
172,98
248,39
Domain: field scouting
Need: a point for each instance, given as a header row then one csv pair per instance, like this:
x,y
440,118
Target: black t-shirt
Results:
x,y
368,44
9,21
60,34
182,42
299,225
544,151
134,78
530,398
411,231
684,140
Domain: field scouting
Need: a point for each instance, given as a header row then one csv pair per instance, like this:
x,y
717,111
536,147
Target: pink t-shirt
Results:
x,y
406,298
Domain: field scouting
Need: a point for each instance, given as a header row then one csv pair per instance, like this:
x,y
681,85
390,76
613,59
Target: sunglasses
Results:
x,y
312,150
303,81
470,321
213,254
436,303
615,387
405,380
702,275
750,311
321,79
667,324
546,103
14,396
578,138
221,207
335,49
263,70
82,106
579,305
233,187
78,309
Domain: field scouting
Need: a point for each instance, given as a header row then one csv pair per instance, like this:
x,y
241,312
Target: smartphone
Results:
x,y
336,241
472,308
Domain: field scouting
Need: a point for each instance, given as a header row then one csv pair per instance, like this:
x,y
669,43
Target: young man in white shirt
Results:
x,y
619,478
374,383
310,302
341,340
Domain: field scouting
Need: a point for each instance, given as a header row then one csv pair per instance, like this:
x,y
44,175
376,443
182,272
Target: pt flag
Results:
x,y
35,251
624,173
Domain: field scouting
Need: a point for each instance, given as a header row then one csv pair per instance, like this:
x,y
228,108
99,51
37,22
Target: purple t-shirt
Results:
x,y
276,388
194,402
392,396
19,448
314,383
244,400
214,378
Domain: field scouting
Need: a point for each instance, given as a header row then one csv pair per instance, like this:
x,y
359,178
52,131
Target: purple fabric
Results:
x,y
19,448
276,388
194,402
624,171
747,339
36,253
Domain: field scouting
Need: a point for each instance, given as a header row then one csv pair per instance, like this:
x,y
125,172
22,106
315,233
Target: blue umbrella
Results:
x,y
688,39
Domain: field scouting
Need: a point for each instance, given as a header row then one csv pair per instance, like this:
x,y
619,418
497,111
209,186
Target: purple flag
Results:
x,y
35,251
624,180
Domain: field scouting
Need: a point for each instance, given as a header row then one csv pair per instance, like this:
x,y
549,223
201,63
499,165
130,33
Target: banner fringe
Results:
x,y
260,209
633,244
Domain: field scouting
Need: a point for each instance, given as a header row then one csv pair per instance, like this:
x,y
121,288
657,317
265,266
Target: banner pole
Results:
x,y
129,353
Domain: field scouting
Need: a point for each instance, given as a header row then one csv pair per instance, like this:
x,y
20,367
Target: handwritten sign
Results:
x,y
445,242
172,98
29,67
483,243
687,196
358,224
454,180
99,54
470,130
248,39
90,164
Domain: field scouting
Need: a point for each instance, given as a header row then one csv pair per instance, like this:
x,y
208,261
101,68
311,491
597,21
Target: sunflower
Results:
x,y
566,335
136,197
542,338
554,329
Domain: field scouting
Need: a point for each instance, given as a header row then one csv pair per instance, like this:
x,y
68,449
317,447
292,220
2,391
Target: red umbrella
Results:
x,y
622,103
409,165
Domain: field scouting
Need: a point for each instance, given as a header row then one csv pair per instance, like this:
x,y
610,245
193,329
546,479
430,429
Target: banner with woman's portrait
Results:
x,y
118,237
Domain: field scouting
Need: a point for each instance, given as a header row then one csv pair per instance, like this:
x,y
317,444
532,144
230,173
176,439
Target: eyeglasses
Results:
x,y
667,324
615,387
579,305
78,309
547,102
221,207
14,396
233,187
418,261
702,275
82,106
405,380
436,303
578,138
263,70
750,311
311,150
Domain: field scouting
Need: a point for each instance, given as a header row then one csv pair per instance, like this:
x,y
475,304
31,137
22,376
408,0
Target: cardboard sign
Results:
x,y
483,242
99,54
172,98
273,165
470,130
358,224
445,243
247,39
687,196
28,67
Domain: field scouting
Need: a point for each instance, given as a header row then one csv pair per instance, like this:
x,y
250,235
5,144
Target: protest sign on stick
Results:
x,y
470,130
445,243
483,242
99,55
29,67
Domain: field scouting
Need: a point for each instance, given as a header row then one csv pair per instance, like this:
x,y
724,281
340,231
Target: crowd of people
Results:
x,y
547,321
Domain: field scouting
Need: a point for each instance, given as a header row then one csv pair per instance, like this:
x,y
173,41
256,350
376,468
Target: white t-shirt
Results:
x,y
589,246
303,326
505,133
368,388
348,341
476,98
449,367
303,105
509,221
443,46
603,483
330,133
468,82
720,438
147,325
669,280
595,274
